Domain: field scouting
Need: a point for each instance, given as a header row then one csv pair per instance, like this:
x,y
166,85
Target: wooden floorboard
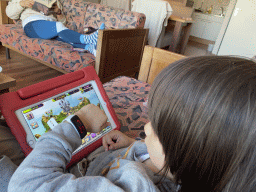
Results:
x,y
26,71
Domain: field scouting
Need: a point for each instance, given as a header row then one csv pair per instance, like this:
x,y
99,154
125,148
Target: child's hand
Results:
x,y
116,140
93,118
27,3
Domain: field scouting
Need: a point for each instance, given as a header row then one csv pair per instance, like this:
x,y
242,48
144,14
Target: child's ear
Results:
x,y
148,129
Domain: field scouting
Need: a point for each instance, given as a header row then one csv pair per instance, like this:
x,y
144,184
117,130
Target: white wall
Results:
x,y
224,26
216,5
240,36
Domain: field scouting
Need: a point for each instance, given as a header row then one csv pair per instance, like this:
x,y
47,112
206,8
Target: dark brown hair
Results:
x,y
203,111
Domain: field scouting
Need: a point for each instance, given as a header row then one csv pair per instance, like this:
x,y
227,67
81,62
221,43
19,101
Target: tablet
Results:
x,y
34,110
43,116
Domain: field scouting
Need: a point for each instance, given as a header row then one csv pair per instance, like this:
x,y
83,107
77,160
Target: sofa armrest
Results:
x,y
119,52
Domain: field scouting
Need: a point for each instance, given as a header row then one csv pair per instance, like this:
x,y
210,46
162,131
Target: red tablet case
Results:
x,y
10,102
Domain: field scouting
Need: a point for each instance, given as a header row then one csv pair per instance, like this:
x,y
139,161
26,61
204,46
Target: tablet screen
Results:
x,y
42,117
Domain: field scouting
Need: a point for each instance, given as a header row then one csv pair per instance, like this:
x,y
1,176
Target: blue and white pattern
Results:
x,y
92,48
92,38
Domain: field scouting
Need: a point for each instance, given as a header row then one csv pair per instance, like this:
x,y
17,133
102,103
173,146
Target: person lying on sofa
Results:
x,y
201,137
38,25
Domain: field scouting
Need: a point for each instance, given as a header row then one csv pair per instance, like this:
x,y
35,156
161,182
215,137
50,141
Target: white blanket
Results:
x,y
157,13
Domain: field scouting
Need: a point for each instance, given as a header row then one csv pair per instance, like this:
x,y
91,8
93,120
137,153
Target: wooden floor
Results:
x,y
25,70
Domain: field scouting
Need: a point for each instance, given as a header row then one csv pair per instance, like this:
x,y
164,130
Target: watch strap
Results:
x,y
75,121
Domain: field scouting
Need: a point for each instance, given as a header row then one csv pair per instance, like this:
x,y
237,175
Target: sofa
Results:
x,y
119,49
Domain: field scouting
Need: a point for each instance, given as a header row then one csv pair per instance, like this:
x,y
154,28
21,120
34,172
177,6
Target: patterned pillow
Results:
x,y
129,100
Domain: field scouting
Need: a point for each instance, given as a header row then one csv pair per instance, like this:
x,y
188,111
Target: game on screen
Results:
x,y
45,116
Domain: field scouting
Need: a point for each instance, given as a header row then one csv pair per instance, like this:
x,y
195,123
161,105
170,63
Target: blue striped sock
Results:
x,y
92,38
91,48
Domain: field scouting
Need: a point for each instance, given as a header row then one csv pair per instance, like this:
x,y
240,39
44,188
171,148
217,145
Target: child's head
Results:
x,y
203,111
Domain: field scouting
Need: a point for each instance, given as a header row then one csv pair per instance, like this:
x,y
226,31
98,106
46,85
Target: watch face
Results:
x,y
79,125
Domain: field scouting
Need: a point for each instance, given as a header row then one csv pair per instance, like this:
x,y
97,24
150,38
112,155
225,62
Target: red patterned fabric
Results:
x,y
79,14
128,97
53,52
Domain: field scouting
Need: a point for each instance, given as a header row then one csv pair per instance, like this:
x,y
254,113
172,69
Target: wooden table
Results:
x,y
5,83
179,22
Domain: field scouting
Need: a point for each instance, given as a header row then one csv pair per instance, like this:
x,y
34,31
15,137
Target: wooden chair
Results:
x,y
155,60
119,52
134,115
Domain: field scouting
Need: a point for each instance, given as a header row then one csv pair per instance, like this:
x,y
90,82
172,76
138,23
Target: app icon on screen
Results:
x,y
30,116
34,125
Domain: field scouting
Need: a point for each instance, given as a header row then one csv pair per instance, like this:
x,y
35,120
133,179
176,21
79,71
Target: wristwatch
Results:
x,y
75,121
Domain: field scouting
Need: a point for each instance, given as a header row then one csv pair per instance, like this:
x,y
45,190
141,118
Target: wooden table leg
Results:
x,y
186,35
7,50
175,36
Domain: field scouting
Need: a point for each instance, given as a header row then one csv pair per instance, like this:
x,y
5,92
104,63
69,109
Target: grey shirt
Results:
x,y
44,169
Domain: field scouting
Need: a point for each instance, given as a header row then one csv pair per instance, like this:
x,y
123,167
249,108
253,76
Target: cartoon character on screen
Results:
x,y
49,120
65,105
49,113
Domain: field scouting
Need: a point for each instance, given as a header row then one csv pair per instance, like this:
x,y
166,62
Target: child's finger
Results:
x,y
106,141
115,146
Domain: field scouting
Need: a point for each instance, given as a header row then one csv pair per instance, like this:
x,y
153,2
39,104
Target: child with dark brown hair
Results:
x,y
201,137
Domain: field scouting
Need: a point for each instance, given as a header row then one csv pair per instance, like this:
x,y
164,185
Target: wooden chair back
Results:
x,y
155,60
119,52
